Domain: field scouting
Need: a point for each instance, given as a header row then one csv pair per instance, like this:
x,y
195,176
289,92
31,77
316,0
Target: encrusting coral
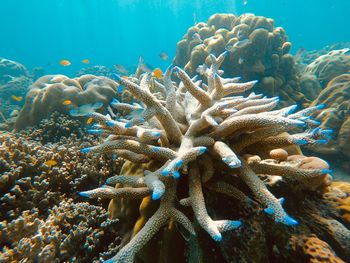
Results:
x,y
49,93
258,51
198,134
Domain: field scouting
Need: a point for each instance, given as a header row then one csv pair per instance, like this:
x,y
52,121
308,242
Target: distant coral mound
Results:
x,y
257,51
337,115
49,93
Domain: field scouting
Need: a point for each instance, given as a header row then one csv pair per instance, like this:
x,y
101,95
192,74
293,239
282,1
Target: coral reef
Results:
x,y
49,93
258,51
97,70
71,232
336,116
14,81
204,140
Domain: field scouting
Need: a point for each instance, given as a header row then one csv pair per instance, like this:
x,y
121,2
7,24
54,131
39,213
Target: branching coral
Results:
x,y
197,133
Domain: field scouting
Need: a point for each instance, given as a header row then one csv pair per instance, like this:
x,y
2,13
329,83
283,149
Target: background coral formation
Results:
x,y
258,51
49,92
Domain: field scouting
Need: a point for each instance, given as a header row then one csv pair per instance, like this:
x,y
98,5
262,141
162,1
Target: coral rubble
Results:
x,y
204,139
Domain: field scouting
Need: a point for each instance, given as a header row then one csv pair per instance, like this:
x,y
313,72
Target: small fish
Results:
x,y
89,120
84,110
135,113
157,73
85,61
299,53
67,102
163,56
121,69
17,98
65,63
240,61
142,66
50,163
196,37
242,43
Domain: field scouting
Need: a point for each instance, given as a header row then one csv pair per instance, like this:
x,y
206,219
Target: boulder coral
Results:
x,y
206,139
49,93
257,51
330,65
337,115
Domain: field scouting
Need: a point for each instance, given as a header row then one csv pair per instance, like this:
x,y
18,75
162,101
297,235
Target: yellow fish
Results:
x,y
85,61
17,98
67,102
65,62
89,120
50,163
157,73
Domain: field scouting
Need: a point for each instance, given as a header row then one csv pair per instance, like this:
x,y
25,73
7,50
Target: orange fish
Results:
x,y
67,102
89,120
157,73
65,63
17,98
85,61
50,163
125,77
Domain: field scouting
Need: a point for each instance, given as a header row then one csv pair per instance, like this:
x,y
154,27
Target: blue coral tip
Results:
x,y
85,150
217,237
156,195
289,221
225,53
170,67
318,142
176,69
129,124
235,224
281,200
179,163
114,100
176,174
116,76
155,134
326,171
120,89
155,149
301,142
165,172
110,123
269,210
84,194
202,149
321,106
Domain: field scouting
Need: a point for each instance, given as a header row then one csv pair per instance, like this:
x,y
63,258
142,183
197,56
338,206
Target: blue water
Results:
x,y
107,32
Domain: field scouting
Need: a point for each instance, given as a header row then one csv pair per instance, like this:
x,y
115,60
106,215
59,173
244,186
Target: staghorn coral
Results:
x,y
336,116
49,92
258,51
198,135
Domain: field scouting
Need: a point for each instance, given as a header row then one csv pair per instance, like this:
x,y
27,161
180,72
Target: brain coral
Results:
x,y
202,137
258,51
337,115
49,92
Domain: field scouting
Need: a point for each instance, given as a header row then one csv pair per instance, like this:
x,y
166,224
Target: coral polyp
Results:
x,y
197,133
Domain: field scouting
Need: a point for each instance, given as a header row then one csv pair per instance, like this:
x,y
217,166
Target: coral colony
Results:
x,y
191,128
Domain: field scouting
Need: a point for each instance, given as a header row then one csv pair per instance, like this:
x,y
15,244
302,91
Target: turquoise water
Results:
x,y
41,32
